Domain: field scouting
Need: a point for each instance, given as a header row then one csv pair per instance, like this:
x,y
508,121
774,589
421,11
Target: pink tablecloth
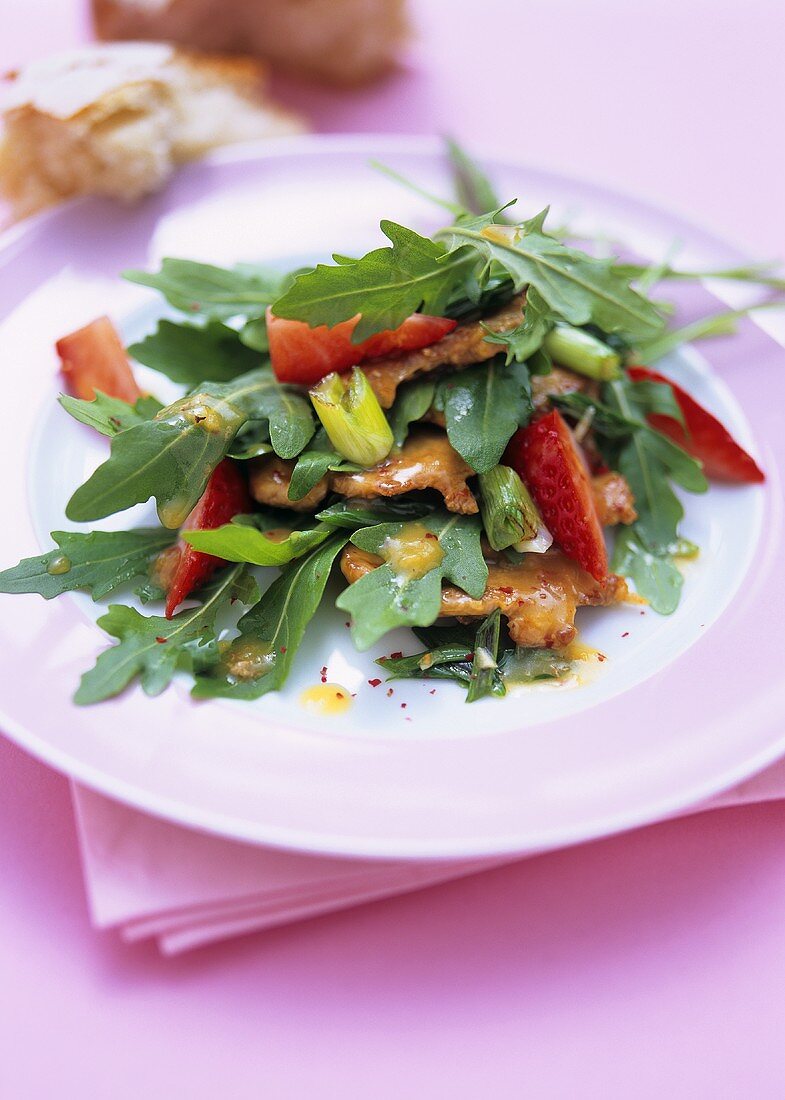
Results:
x,y
643,966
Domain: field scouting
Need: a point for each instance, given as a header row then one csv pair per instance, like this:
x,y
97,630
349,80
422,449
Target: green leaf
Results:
x,y
412,402
576,286
312,465
172,457
217,292
385,286
152,647
522,342
242,542
353,514
655,576
259,660
98,561
110,415
648,460
717,324
483,407
384,599
192,354
485,666
474,190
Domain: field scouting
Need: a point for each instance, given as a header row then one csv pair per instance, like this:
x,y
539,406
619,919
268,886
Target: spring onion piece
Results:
x,y
353,418
509,514
583,353
486,655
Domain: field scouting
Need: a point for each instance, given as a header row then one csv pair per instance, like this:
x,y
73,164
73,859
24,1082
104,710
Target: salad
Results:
x,y
454,424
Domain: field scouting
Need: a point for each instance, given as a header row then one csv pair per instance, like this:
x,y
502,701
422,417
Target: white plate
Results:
x,y
675,713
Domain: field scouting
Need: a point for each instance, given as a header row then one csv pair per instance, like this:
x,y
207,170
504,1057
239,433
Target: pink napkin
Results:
x,y
153,880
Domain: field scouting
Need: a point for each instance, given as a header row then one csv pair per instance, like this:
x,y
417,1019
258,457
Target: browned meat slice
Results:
x,y
539,596
269,484
426,461
558,382
462,347
614,499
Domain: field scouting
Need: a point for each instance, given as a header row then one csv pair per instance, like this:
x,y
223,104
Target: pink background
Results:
x,y
647,965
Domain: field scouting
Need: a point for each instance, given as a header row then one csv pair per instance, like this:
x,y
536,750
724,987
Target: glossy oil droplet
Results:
x,y
58,565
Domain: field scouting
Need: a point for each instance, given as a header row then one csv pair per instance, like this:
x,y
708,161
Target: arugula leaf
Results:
x,y
99,561
483,407
259,660
353,514
522,342
384,599
312,465
717,324
425,665
576,286
219,292
656,577
252,441
171,457
411,403
244,542
485,668
450,656
153,648
192,354
110,415
474,190
384,286
647,460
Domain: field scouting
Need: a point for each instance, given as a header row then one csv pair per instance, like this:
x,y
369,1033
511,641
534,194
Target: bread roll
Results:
x,y
117,119
342,41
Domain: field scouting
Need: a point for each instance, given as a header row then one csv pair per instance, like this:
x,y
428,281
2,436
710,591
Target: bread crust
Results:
x,y
340,41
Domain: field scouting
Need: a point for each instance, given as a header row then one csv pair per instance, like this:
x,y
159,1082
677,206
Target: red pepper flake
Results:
x,y
506,591
403,706
339,695
323,674
162,640
347,623
430,535
601,657
195,307
407,718
643,612
375,682
395,656
283,649
389,692
626,634
432,691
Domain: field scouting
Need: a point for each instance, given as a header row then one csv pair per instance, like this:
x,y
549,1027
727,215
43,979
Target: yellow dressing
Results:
x,y
327,699
413,552
577,651
246,659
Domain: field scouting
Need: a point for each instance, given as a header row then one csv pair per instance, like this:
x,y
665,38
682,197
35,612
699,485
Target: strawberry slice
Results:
x,y
304,355
547,458
705,438
93,358
181,569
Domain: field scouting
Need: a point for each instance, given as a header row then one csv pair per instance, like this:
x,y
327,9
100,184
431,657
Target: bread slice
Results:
x,y
341,41
116,119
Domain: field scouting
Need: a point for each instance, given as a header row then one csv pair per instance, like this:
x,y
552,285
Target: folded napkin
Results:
x,y
151,879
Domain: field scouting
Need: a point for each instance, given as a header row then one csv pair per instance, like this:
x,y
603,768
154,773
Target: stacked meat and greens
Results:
x,y
450,422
